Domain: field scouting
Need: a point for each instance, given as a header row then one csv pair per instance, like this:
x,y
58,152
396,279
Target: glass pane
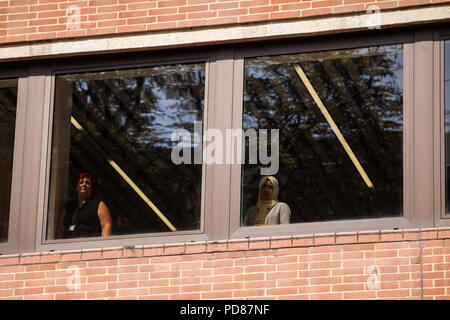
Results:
x,y
340,121
447,121
8,101
117,126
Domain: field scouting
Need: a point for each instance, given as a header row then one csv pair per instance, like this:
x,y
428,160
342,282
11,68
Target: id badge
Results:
x,y
72,228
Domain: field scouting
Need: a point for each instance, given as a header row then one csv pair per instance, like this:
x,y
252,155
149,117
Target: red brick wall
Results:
x,y
328,266
31,20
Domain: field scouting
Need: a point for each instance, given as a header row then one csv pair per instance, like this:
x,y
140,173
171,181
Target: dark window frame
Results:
x,y
21,74
442,218
112,63
333,43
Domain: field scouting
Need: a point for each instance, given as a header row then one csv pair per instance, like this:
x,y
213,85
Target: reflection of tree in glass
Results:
x,y
362,91
8,99
132,115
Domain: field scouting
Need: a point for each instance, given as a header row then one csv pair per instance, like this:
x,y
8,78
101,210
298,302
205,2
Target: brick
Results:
x,y
282,275
325,280
282,259
346,238
14,3
133,261
30,275
42,22
302,241
113,8
281,291
195,288
185,296
43,7
70,296
248,293
123,269
295,6
192,23
317,257
103,16
161,26
30,258
217,295
186,265
171,3
131,28
380,254
216,246
102,278
222,21
266,9
140,6
102,263
325,265
318,12
51,14
291,266
184,281
166,289
195,248
101,294
53,28
346,2
358,247
154,267
14,24
285,15
11,284
349,8
326,3
249,261
96,3
193,2
227,286
260,268
228,270
282,1
387,5
232,12
164,274
161,12
28,291
357,295
132,14
52,257
165,259
123,284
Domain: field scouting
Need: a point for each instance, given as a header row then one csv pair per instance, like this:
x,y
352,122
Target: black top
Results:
x,y
82,221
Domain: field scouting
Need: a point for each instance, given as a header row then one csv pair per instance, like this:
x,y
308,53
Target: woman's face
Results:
x,y
85,187
267,190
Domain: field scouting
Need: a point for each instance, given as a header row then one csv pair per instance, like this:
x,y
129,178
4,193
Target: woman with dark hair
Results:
x,y
88,216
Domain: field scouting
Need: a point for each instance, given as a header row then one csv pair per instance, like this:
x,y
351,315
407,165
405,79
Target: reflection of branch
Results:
x,y
332,124
130,182
7,100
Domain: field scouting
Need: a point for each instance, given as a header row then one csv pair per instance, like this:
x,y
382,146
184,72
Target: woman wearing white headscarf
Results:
x,y
268,209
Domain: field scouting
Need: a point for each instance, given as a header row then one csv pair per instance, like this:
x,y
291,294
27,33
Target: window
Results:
x,y
117,126
348,126
8,101
339,116
447,121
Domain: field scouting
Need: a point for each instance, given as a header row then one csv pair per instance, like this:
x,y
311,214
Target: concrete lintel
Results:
x,y
226,34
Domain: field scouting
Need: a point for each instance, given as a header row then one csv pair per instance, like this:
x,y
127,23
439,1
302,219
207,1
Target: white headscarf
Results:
x,y
264,206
